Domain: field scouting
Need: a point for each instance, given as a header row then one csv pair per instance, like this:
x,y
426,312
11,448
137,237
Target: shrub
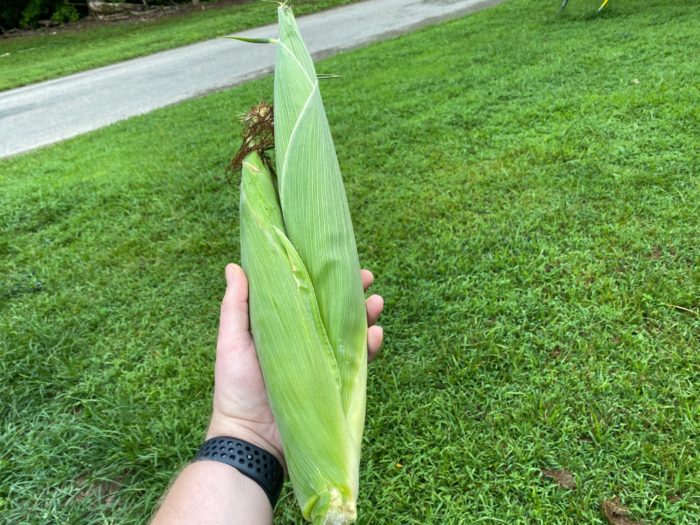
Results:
x,y
27,13
65,13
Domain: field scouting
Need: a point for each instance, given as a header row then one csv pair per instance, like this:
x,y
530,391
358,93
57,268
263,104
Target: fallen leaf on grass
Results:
x,y
564,478
616,514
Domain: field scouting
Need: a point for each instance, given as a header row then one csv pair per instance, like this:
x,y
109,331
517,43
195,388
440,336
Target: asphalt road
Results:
x,y
48,112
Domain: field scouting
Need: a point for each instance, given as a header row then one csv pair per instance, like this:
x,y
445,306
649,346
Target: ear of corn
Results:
x,y
306,301
299,367
316,213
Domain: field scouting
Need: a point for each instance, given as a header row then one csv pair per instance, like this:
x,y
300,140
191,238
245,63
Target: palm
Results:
x,y
240,398
242,394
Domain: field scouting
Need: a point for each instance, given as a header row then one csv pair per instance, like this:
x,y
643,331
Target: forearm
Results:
x,y
213,493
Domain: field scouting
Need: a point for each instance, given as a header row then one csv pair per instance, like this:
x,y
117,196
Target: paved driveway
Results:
x,y
55,110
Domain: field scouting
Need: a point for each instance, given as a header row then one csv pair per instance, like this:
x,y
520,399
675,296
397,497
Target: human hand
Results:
x,y
241,407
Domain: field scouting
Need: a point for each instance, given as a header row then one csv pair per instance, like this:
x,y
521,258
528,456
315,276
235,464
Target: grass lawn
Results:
x,y
525,186
24,60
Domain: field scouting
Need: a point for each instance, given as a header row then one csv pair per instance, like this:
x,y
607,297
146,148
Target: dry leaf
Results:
x,y
616,514
564,478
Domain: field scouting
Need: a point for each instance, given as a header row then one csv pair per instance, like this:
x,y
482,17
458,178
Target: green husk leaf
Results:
x,y
252,40
316,213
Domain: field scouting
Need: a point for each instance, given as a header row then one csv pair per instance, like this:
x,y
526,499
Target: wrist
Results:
x,y
211,492
221,425
248,459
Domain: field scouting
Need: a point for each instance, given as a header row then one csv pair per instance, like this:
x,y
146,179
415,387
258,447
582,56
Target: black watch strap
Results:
x,y
253,462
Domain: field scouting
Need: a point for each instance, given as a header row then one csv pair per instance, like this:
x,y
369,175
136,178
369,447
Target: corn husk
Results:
x,y
306,300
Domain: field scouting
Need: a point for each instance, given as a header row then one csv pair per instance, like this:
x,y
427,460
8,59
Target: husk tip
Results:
x,y
340,511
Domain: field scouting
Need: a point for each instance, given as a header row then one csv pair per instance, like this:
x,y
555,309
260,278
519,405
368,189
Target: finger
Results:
x,y
375,337
367,279
233,325
375,305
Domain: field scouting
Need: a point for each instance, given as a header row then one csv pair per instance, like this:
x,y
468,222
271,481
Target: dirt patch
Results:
x,y
617,514
563,478
102,491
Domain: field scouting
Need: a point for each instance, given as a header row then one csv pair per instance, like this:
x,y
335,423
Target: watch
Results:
x,y
251,461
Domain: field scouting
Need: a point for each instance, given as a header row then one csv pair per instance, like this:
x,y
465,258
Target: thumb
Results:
x,y
234,328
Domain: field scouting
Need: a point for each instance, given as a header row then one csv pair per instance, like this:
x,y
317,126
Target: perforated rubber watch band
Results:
x,y
251,461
